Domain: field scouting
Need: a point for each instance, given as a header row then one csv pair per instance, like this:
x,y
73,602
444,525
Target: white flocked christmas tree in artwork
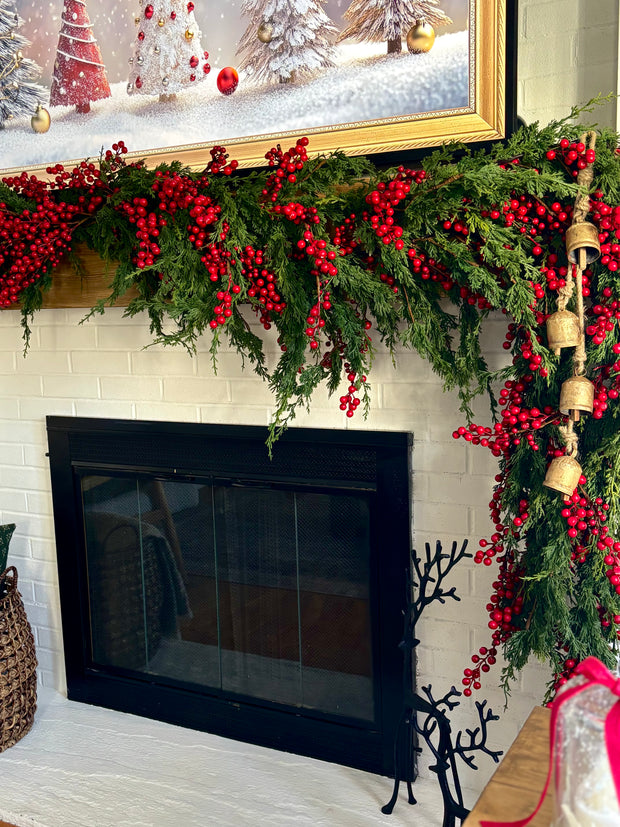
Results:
x,y
167,51
391,20
285,39
19,92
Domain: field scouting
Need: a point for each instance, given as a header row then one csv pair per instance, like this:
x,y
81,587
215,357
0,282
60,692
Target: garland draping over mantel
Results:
x,y
333,253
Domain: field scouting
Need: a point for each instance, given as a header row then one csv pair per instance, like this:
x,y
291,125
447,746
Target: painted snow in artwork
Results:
x,y
311,81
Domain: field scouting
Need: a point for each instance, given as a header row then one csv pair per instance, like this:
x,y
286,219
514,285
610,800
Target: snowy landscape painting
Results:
x,y
172,75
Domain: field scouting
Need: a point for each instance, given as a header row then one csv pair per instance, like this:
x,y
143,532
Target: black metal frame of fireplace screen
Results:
x,y
377,464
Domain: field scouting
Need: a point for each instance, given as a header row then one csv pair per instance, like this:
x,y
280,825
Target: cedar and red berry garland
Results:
x,y
334,253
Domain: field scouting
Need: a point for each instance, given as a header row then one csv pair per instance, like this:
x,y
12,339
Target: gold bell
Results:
x,y
563,475
582,235
576,394
562,330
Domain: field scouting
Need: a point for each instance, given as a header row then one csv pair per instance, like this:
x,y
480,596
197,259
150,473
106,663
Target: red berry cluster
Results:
x,y
584,522
297,213
34,241
518,422
430,269
315,320
217,260
604,318
263,285
482,663
349,402
148,228
344,236
520,339
288,165
176,191
542,223
385,199
573,154
504,606
113,157
566,672
219,161
223,310
608,220
390,281
321,258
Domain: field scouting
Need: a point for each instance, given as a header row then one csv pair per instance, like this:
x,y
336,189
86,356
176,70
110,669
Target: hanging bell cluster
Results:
x,y
564,329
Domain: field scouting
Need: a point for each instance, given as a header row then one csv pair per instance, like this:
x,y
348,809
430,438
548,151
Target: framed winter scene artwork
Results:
x,y
171,78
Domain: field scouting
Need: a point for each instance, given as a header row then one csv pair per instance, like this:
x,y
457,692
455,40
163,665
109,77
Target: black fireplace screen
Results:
x,y
207,584
235,587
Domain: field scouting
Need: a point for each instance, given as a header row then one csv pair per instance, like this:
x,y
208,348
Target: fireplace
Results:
x,y
206,584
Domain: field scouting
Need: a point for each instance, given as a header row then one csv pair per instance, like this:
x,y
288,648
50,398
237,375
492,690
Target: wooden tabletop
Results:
x,y
514,790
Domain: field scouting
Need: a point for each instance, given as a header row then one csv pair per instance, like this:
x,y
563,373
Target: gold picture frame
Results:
x,y
487,116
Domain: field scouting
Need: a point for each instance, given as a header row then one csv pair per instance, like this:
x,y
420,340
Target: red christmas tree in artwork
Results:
x,y
79,72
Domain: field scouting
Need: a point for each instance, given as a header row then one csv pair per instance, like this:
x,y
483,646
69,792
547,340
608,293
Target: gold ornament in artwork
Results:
x,y
265,32
189,34
136,20
161,22
420,38
40,121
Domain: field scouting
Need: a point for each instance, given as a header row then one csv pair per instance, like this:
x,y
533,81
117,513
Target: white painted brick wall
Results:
x,y
100,370
567,54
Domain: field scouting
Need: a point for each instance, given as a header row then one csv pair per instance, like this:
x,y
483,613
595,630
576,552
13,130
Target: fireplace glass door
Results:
x,y
246,588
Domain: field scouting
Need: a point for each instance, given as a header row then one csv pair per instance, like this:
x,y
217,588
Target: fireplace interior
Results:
x,y
206,584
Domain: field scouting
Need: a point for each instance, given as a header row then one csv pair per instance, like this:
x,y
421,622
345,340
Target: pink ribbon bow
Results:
x,y
594,673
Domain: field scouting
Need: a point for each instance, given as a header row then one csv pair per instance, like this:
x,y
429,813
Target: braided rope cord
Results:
x,y
575,279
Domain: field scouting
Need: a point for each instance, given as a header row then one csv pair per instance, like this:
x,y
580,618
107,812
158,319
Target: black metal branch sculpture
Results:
x,y
424,716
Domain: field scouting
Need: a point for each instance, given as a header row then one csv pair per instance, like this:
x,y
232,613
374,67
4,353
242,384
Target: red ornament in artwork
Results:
x,y
138,82
227,80
79,72
148,12
193,61
206,68
173,15
192,77
140,35
190,8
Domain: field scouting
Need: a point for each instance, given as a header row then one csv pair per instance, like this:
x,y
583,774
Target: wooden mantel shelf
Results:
x,y
69,290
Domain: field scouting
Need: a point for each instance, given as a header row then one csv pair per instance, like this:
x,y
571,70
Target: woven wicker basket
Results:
x,y
18,663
